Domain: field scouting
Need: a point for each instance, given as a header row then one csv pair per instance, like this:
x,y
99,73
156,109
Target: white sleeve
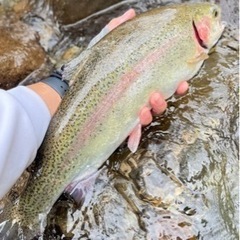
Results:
x,y
24,119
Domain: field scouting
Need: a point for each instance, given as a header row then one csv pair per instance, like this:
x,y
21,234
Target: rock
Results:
x,y
71,11
20,53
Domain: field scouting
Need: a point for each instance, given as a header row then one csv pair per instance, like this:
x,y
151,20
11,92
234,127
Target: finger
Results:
x,y
134,138
145,116
182,88
157,103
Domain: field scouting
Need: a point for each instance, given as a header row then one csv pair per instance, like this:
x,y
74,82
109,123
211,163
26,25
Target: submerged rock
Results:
x,y
20,53
68,12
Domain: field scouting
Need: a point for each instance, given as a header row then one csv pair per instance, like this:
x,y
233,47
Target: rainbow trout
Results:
x,y
112,81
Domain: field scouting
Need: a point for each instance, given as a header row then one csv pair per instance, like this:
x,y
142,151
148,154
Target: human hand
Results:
x,y
157,105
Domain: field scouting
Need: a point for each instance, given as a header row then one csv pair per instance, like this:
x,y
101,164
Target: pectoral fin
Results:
x,y
200,57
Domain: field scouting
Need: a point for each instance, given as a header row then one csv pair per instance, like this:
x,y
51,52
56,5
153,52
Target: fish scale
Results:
x,y
112,81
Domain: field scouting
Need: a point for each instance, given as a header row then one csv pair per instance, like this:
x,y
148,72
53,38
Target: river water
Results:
x,y
183,182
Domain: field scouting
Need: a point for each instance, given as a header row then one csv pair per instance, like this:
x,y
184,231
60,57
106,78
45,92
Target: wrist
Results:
x,y
56,82
50,96
51,90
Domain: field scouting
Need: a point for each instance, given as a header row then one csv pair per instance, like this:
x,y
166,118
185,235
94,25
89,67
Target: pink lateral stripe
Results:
x,y
126,80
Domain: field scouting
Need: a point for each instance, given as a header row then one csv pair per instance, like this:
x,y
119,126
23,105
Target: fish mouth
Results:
x,y
200,41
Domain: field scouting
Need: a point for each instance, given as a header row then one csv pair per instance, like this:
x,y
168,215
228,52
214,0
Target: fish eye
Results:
x,y
215,13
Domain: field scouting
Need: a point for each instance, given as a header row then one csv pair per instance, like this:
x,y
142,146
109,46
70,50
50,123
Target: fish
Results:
x,y
111,81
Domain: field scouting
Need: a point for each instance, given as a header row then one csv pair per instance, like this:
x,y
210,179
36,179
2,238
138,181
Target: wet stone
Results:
x,y
154,183
164,225
20,53
17,6
103,218
68,12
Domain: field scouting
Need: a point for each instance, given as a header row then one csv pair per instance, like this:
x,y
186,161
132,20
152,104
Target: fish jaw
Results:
x,y
208,25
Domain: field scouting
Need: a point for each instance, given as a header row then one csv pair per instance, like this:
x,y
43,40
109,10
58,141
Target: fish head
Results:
x,y
208,27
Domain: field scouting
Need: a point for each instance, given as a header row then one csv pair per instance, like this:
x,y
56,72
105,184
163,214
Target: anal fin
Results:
x,y
82,190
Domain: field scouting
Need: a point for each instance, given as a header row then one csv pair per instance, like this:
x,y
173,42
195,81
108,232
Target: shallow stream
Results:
x,y
183,182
